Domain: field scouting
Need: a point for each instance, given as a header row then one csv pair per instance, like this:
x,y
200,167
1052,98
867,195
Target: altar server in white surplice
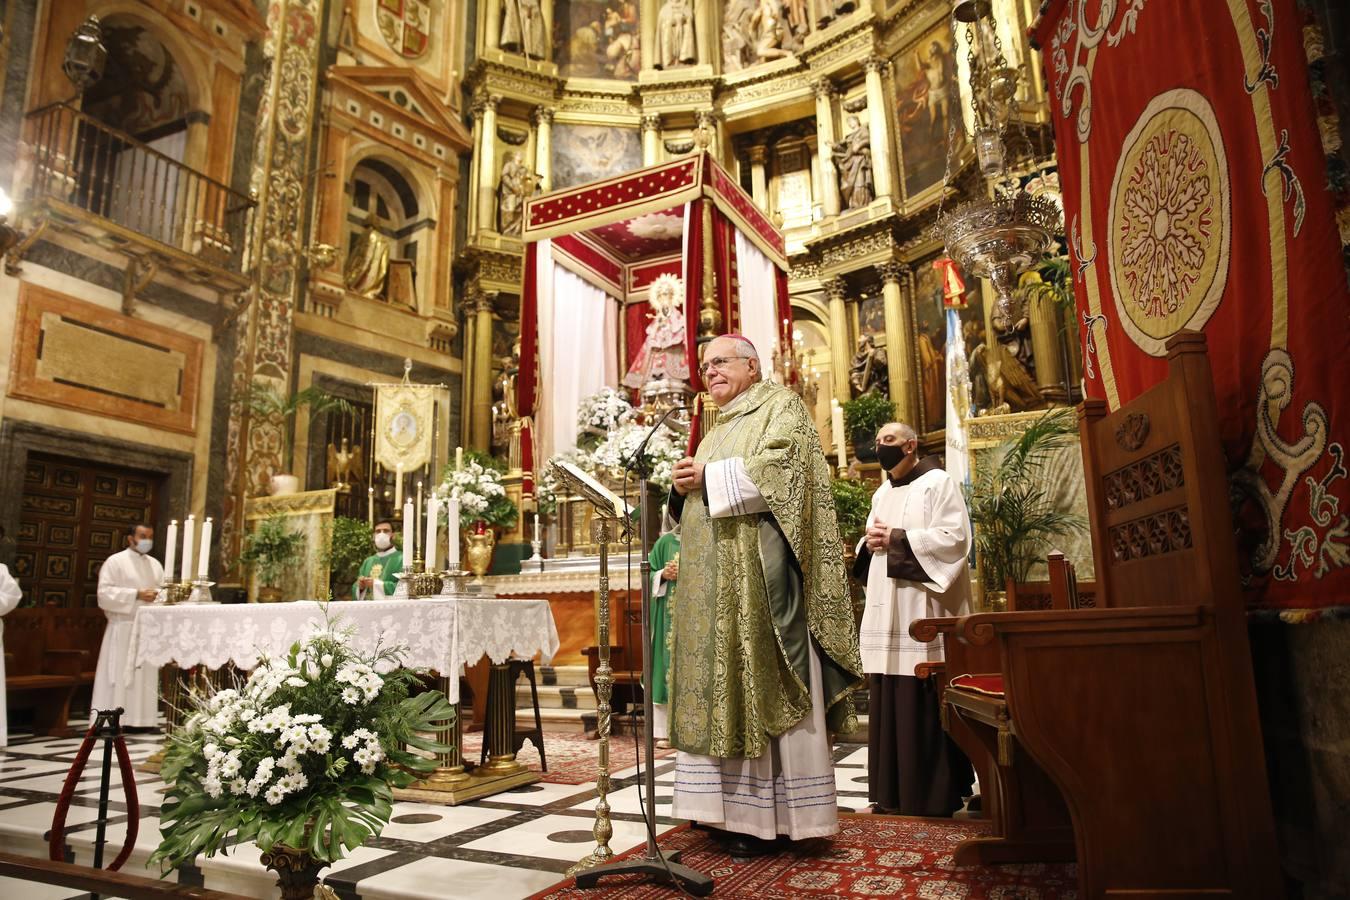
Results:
x,y
10,595
127,580
913,558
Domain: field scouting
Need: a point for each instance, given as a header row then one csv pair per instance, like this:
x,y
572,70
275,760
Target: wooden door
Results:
x,y
74,517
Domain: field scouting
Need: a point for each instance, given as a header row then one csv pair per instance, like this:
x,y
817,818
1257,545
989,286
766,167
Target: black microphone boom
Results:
x,y
634,461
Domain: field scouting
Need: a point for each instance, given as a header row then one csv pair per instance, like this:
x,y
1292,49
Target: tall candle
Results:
x,y
409,545
370,508
452,527
459,458
189,532
837,429
433,510
417,521
170,548
204,554
398,486
536,528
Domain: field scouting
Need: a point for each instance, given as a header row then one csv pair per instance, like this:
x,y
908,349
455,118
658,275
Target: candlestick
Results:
x,y
170,550
452,526
837,429
370,508
189,532
409,543
204,554
433,549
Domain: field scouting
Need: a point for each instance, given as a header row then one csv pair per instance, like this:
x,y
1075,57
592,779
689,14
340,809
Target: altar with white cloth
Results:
x,y
442,634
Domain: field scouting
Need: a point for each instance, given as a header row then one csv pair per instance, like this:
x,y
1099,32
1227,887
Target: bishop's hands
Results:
x,y
878,536
688,476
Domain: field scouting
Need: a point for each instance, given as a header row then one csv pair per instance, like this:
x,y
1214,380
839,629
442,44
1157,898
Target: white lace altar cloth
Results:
x,y
441,633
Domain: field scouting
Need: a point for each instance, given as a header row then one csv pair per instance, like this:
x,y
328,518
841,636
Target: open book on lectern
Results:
x,y
609,504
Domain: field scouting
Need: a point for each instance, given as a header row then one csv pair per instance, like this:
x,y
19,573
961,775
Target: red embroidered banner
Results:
x,y
1194,197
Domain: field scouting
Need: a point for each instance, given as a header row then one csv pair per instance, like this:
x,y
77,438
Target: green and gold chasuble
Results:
x,y
383,568
756,590
666,548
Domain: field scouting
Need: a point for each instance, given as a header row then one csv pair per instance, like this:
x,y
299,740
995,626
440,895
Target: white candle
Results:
x,y
204,554
170,549
419,536
837,429
452,528
189,532
409,544
398,486
536,528
433,508
370,507
459,458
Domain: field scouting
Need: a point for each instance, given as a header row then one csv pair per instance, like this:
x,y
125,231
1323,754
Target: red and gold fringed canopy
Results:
x,y
679,218
1195,197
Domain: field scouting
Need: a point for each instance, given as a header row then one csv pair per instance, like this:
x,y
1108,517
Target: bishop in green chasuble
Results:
x,y
764,649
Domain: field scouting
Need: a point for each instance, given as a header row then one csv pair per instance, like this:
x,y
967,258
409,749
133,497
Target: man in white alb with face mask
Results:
x,y
127,579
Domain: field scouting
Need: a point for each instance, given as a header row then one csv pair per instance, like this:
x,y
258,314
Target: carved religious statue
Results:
x,y
344,466
853,159
662,357
737,45
523,28
769,31
516,185
675,35
868,372
368,262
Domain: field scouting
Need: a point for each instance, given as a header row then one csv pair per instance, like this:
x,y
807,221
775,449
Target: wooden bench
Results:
x,y
1141,712
45,664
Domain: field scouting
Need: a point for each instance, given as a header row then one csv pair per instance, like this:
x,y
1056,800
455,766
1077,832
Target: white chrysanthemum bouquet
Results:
x,y
304,754
603,411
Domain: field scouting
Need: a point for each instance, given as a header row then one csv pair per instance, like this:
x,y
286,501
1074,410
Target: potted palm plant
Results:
x,y
269,551
301,759
863,417
265,401
1011,510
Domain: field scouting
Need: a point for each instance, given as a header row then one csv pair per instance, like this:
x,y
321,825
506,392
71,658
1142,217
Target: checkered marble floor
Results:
x,y
507,846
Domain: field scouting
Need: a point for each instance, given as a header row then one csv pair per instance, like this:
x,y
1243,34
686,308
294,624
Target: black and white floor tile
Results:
x,y
507,846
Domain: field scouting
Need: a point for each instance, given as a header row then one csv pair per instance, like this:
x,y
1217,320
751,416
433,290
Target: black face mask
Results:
x,y
890,455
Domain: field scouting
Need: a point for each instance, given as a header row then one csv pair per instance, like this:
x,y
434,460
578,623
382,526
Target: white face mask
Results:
x,y
143,546
383,539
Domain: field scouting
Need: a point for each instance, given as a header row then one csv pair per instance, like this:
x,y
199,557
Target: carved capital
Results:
x,y
876,64
759,154
651,122
836,289
824,89
542,115
481,301
891,272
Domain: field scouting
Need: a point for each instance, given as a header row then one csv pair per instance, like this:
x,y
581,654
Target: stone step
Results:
x,y
563,675
557,696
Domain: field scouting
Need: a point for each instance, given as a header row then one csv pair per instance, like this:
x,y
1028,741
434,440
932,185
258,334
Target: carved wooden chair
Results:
x,y
1140,713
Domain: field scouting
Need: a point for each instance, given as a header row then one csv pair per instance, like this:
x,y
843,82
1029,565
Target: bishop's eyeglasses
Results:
x,y
719,363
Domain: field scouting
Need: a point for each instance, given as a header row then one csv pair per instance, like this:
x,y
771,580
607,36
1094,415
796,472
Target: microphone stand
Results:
x,y
662,864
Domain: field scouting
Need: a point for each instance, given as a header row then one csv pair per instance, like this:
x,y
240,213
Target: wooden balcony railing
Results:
x,y
80,161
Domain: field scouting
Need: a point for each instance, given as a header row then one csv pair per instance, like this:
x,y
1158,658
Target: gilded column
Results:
x,y
651,139
759,183
264,345
899,341
492,23
468,304
487,166
474,166
482,371
648,10
1045,347
837,291
829,179
543,147
877,128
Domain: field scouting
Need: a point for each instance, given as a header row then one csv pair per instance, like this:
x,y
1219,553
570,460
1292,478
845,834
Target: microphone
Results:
x,y
634,461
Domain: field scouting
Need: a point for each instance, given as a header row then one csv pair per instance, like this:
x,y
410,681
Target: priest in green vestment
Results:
x,y
764,649
665,563
376,580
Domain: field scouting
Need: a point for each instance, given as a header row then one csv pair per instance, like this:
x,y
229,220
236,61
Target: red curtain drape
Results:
x,y
635,318
1195,196
724,265
527,379
693,289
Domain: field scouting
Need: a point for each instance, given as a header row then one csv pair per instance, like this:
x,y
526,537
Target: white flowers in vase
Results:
x,y
603,411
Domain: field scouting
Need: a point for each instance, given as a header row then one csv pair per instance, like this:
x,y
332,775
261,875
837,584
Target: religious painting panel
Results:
x,y
142,91
930,337
872,318
596,40
928,105
584,153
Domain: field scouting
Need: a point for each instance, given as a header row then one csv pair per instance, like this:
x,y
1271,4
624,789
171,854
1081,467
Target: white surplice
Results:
x,y
932,512
789,789
122,576
10,595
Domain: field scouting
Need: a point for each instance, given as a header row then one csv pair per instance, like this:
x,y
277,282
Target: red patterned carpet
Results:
x,y
572,759
872,856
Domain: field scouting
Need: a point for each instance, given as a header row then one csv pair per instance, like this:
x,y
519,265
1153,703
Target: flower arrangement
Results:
x,y
603,411
664,450
478,485
304,754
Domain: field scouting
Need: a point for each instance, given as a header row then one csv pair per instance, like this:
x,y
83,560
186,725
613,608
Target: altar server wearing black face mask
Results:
x,y
914,561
